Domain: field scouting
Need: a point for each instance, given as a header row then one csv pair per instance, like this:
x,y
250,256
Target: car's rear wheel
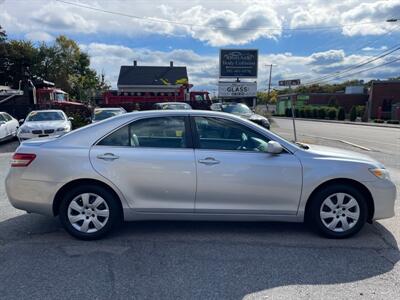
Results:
x,y
338,211
89,212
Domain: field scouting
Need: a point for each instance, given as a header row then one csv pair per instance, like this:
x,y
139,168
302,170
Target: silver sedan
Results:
x,y
194,165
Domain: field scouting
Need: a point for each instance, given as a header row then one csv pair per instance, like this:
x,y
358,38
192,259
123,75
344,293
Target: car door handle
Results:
x,y
107,156
209,161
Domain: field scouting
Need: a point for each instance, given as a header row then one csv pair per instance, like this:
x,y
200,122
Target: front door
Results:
x,y
151,161
236,175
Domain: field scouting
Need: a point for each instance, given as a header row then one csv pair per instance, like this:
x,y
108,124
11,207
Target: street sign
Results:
x,y
237,89
238,63
289,82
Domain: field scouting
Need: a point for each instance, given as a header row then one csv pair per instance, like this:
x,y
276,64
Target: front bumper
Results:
x,y
384,196
30,135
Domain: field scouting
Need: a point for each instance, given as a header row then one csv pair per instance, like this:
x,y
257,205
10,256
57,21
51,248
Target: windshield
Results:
x,y
45,116
104,114
60,97
236,109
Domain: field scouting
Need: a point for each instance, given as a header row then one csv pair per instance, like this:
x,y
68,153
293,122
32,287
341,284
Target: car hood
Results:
x,y
41,125
336,153
252,117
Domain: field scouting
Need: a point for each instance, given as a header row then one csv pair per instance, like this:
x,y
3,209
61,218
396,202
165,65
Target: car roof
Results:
x,y
47,110
108,108
166,103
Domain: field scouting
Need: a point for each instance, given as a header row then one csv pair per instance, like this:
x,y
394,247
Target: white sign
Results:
x,y
237,89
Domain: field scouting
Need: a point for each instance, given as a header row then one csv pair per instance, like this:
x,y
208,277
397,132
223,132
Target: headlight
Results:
x,y
66,128
24,130
265,122
380,173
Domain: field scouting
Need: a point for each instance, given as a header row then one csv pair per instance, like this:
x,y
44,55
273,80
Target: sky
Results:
x,y
308,40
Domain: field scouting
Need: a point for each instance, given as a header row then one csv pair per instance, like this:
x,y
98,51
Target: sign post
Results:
x,y
289,83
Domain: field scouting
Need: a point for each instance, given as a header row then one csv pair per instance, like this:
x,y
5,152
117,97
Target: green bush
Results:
x,y
288,112
341,114
308,112
379,121
321,113
315,113
79,120
296,112
300,113
360,109
332,112
353,114
393,121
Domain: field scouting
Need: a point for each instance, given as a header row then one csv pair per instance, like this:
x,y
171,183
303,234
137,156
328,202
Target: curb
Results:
x,y
342,122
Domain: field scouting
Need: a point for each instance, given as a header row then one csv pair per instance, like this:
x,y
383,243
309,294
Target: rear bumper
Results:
x,y
384,196
31,195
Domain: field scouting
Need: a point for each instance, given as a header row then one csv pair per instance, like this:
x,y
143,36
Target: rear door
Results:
x,y
151,161
235,175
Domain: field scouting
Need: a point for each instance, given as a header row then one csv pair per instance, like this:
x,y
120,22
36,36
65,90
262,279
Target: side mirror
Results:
x,y
21,121
70,118
274,147
2,123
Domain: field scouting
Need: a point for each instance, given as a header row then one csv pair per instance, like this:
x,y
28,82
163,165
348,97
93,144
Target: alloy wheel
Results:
x,y
339,212
88,213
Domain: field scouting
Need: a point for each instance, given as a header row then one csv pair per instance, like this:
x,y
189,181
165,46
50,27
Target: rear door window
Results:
x,y
161,132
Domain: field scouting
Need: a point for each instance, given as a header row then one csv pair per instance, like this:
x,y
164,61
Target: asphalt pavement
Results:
x,y
207,260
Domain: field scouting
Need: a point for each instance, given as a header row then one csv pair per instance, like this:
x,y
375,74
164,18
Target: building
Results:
x,y
151,79
384,100
140,87
347,101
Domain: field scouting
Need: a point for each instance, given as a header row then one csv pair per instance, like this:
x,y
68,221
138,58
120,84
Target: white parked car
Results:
x,y
44,123
101,114
8,126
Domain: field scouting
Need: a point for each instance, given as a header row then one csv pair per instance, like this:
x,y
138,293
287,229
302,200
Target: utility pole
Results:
x,y
269,84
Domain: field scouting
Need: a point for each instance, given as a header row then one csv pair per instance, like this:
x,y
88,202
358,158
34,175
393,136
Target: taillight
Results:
x,y
22,159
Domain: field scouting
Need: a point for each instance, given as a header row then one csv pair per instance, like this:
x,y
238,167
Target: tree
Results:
x,y
62,63
262,97
20,62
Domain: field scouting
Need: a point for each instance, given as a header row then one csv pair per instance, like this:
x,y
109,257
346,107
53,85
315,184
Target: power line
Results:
x,y
368,69
350,68
157,20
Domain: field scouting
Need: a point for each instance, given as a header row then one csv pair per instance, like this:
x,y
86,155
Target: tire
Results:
x,y
328,215
93,220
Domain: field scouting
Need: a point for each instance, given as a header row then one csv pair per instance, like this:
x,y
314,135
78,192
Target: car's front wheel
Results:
x,y
89,212
338,211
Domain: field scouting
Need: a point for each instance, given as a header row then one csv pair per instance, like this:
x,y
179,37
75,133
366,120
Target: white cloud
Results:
x,y
367,12
327,57
216,23
374,49
39,36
